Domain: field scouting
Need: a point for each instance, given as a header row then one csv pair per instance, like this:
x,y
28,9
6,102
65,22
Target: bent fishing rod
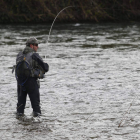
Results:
x,y
56,18
54,21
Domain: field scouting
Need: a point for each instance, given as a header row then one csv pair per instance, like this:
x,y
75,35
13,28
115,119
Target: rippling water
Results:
x,y
92,87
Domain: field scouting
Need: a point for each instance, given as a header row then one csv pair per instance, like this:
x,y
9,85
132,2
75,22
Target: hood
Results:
x,y
27,50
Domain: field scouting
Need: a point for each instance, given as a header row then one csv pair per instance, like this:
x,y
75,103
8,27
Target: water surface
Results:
x,y
92,86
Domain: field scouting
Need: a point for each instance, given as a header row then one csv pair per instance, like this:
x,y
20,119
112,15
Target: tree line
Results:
x,y
42,11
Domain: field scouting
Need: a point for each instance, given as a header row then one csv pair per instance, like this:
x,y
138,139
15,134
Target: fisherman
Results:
x,y
31,85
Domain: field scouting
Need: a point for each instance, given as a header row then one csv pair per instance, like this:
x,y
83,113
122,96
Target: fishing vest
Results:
x,y
24,68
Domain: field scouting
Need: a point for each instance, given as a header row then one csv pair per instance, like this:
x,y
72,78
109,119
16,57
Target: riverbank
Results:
x,y
44,11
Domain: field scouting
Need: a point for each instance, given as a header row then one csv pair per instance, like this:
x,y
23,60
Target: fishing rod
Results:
x,y
55,19
57,16
53,23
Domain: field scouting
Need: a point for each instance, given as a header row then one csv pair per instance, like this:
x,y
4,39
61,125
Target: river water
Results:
x,y
91,91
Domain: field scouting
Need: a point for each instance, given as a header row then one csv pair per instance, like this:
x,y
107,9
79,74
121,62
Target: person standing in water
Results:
x,y
29,69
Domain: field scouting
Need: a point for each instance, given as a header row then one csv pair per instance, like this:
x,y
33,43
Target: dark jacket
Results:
x,y
37,62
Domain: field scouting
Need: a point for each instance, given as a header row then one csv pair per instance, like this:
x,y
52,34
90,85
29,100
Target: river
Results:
x,y
91,91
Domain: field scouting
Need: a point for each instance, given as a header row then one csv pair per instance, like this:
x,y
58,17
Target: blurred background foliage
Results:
x,y
42,11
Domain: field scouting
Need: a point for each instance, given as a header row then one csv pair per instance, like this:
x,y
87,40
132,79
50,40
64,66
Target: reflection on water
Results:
x,y
91,88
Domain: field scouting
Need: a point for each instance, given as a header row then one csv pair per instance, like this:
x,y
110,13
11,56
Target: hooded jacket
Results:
x,y
39,68
37,60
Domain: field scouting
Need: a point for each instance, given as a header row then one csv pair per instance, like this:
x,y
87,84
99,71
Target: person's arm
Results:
x,y
40,68
40,62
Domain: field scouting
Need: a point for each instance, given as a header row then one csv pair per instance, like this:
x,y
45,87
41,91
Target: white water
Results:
x,y
93,81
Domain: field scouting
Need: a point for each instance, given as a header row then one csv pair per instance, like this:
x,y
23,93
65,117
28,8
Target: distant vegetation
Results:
x,y
41,11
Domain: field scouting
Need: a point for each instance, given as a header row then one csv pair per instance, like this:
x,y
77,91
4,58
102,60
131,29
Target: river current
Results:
x,y
91,91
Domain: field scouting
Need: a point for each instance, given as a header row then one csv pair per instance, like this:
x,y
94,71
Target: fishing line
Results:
x,y
91,2
54,21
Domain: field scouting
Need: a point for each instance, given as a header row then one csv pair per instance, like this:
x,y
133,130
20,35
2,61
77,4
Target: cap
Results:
x,y
32,40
